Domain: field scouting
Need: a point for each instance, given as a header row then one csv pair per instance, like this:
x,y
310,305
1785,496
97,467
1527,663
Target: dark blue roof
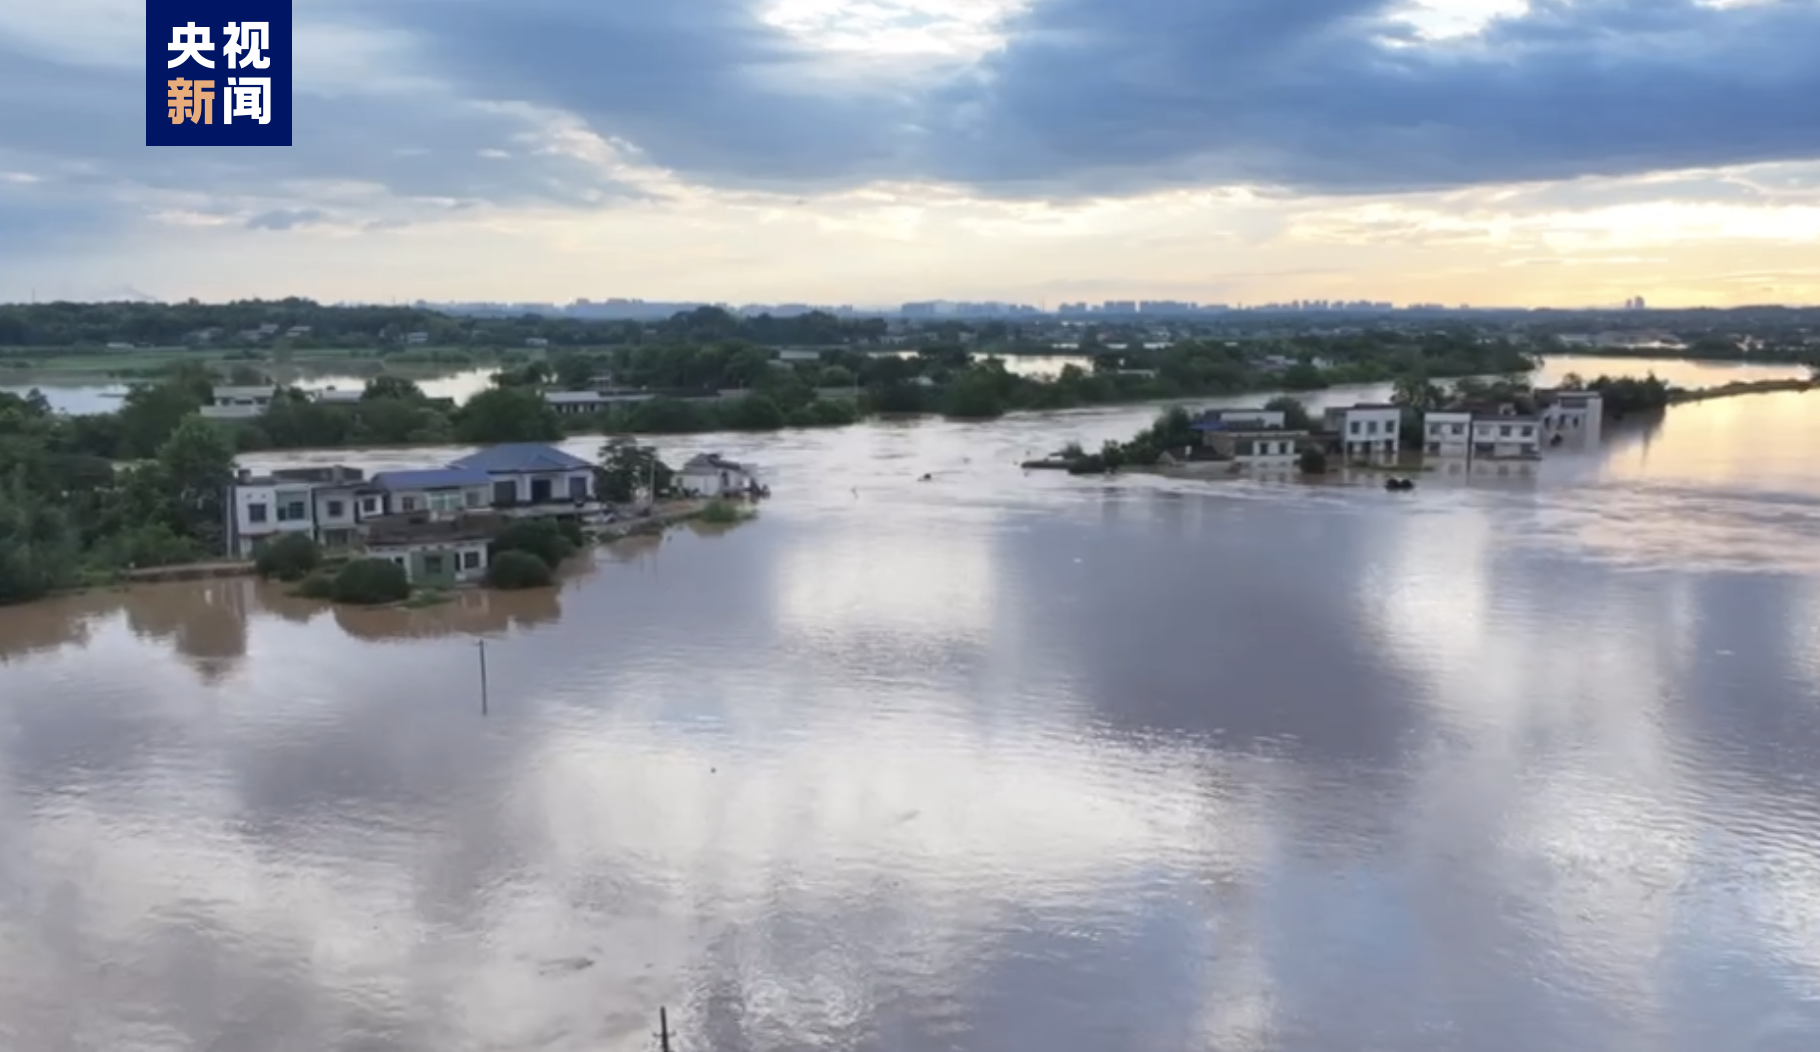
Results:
x,y
520,456
430,478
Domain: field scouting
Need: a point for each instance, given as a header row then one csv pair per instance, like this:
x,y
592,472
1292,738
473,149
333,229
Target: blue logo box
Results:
x,y
218,72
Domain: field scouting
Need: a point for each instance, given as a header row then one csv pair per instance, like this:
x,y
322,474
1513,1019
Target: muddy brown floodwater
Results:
x,y
988,762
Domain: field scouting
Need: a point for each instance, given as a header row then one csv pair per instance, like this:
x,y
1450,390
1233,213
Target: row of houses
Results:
x,y
436,522
1373,432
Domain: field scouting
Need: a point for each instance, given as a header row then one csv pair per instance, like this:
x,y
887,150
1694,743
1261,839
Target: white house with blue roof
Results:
x,y
530,478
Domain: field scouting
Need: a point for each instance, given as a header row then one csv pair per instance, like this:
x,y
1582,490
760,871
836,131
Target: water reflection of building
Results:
x,y
205,621
468,612
1483,469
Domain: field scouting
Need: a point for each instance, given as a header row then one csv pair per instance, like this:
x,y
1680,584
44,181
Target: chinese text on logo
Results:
x,y
219,75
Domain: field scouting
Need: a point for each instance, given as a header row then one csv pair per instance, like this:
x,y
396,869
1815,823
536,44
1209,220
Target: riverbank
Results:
x,y
1681,396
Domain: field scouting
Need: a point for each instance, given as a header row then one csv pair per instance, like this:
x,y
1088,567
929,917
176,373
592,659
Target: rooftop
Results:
x,y
430,478
515,457
711,462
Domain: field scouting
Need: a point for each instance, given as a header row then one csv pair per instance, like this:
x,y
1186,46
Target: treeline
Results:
x,y
68,515
952,379
92,326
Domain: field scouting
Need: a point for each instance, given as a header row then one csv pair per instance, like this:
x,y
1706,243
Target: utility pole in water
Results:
x,y
663,1030
481,644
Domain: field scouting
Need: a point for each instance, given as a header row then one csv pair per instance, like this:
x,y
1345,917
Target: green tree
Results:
x,y
151,412
1413,391
198,461
507,414
395,388
288,557
517,570
371,582
540,537
1295,414
626,469
973,395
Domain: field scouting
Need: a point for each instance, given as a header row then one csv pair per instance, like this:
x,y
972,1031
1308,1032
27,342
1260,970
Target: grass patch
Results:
x,y
424,597
725,513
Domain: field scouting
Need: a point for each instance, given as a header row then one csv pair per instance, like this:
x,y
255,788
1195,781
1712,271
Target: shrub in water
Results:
x,y
288,557
370,582
512,571
540,537
721,512
318,585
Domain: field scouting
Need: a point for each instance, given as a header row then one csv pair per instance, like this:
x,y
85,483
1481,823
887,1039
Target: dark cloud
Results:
x,y
1329,94
1122,95
704,87
413,144
1085,96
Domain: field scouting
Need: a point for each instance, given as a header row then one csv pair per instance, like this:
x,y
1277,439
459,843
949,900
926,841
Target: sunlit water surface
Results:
x,y
992,761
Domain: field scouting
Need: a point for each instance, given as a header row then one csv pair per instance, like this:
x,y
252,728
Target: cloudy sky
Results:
x,y
873,151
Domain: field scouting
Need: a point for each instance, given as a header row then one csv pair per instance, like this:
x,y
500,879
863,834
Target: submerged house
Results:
x,y
434,492
711,475
532,479
435,551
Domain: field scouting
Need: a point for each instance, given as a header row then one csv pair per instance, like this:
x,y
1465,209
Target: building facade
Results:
x,y
1447,433
1367,432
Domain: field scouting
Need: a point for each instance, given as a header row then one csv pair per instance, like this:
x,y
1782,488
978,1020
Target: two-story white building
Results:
x,y
1447,433
1369,432
1576,416
529,478
238,403
1495,437
320,503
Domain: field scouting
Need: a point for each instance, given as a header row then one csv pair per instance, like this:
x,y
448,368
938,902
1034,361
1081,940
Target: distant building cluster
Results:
x,y
616,309
1489,436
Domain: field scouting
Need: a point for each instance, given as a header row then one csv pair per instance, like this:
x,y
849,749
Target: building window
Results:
x,y
337,509
445,501
255,513
370,505
293,511
1504,431
470,560
1459,429
407,503
578,488
472,498
432,564
1352,427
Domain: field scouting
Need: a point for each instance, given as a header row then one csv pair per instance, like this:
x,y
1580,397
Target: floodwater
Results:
x,y
988,762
